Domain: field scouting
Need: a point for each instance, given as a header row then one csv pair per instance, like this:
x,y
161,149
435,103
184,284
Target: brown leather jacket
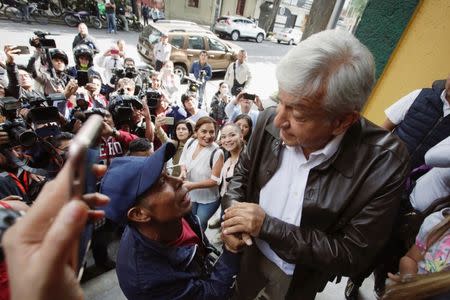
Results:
x,y
350,202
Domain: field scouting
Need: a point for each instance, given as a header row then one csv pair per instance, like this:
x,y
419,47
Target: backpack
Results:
x,y
211,159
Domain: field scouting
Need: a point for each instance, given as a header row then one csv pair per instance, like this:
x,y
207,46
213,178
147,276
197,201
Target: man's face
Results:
x,y
58,64
156,83
168,200
302,122
84,61
129,64
83,30
203,58
128,89
107,118
98,85
242,56
164,39
189,104
25,79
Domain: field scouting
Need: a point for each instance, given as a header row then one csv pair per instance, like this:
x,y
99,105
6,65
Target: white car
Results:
x,y
291,36
238,27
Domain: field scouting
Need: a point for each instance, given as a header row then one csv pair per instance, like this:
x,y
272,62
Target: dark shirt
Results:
x,y
110,9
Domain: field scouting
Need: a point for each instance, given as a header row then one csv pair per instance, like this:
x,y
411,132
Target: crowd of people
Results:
x,y
307,191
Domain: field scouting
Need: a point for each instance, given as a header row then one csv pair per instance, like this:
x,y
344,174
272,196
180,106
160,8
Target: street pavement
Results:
x,y
262,60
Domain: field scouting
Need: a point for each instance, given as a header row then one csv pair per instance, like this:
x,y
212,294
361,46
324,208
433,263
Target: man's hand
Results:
x,y
90,87
11,53
41,248
159,121
71,88
107,130
145,109
243,218
258,103
233,243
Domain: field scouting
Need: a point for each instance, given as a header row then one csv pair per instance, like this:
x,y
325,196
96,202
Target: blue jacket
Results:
x,y
424,125
196,68
147,269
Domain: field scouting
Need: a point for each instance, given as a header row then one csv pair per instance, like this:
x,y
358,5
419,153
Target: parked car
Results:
x,y
291,36
238,27
187,41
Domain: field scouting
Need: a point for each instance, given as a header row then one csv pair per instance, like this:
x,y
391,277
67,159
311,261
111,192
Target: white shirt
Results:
x,y
200,113
243,74
198,169
162,52
109,63
435,183
232,111
282,196
397,111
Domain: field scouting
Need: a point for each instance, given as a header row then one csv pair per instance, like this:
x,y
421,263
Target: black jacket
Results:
x,y
349,206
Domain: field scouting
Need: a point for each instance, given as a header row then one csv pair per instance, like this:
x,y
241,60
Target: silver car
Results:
x,y
238,27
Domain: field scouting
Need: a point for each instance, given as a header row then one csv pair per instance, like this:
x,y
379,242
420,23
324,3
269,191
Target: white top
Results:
x,y
397,111
200,113
243,74
226,174
109,63
198,169
162,51
435,183
232,111
282,196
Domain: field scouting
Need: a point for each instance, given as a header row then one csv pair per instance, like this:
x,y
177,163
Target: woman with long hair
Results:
x,y
183,131
201,164
246,125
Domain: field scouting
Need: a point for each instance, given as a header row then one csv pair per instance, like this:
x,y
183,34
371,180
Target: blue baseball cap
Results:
x,y
129,177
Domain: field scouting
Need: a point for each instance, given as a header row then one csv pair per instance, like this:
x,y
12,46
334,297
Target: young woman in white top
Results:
x,y
201,164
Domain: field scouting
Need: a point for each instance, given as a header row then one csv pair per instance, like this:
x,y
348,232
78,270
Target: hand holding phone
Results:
x,y
249,96
22,50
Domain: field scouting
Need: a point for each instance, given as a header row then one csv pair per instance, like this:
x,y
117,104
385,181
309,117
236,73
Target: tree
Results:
x,y
319,15
268,26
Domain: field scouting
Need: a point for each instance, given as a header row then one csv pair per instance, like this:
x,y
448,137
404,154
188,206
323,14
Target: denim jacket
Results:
x,y
148,269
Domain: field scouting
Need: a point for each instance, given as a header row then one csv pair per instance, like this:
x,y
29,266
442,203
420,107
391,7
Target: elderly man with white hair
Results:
x,y
318,187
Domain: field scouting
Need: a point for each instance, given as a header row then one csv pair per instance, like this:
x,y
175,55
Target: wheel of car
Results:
x,y
259,38
180,71
291,41
278,41
235,35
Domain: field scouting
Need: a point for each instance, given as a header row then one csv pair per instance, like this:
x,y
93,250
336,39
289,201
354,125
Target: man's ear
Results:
x,y
138,214
343,123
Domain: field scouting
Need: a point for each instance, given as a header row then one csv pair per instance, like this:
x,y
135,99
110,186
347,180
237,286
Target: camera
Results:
x,y
153,98
42,110
14,125
128,72
202,75
41,41
121,107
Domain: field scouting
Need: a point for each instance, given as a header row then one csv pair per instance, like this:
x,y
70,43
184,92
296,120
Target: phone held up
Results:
x,y
249,96
23,50
83,179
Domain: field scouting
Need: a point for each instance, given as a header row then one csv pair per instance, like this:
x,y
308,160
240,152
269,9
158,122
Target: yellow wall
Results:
x,y
422,56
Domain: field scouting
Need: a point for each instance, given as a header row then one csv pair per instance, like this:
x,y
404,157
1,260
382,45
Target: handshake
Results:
x,y
241,222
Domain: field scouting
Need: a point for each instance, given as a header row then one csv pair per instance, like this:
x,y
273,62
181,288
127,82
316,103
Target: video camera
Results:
x,y
122,106
14,125
42,110
153,98
128,72
42,41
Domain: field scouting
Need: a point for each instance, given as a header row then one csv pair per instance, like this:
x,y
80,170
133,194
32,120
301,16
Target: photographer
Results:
x,y
110,61
243,105
202,72
20,81
42,75
84,62
129,71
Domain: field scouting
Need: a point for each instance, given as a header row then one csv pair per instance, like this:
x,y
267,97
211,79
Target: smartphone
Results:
x,y
23,50
249,96
82,78
83,179
168,120
114,52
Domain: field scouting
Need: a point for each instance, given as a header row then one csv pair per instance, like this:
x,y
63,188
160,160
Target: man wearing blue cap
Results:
x,y
163,253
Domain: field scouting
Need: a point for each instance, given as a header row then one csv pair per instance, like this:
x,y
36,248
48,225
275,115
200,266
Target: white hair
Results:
x,y
331,66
